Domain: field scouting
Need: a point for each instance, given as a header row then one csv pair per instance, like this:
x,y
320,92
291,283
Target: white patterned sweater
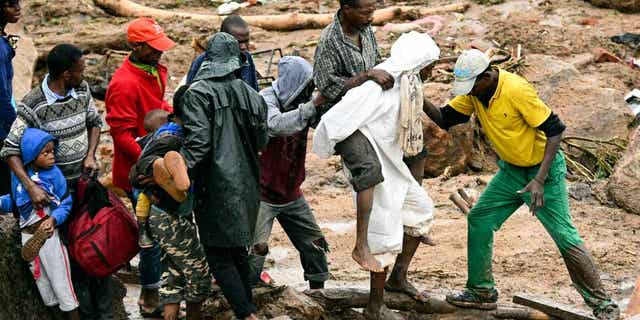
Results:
x,y
67,120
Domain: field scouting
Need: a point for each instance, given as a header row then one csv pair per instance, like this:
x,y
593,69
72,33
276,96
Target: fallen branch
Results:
x,y
344,298
592,158
286,22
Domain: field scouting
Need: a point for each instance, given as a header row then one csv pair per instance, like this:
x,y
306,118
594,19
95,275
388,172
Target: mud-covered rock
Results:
x,y
588,105
447,151
19,297
272,302
620,5
624,184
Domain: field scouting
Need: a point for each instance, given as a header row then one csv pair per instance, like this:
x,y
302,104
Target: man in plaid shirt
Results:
x,y
346,54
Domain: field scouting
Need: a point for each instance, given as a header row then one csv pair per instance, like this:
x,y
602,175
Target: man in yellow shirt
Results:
x,y
526,134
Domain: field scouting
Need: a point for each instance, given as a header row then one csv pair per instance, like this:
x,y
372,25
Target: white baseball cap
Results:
x,y
469,66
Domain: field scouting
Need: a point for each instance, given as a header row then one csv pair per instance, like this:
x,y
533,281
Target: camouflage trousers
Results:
x,y
185,273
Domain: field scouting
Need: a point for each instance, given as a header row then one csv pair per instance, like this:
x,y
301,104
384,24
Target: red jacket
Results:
x,y
131,94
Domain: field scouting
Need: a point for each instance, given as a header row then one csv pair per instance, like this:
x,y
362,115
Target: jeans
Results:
x,y
149,265
298,222
230,267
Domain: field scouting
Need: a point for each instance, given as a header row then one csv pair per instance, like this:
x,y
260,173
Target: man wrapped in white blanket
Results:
x,y
391,121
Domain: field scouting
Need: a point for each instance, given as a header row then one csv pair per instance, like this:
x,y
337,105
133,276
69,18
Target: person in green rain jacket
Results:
x,y
225,126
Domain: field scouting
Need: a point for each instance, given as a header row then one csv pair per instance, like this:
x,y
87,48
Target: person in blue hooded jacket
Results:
x,y
41,245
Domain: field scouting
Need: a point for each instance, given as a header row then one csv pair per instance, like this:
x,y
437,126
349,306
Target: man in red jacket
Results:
x,y
136,88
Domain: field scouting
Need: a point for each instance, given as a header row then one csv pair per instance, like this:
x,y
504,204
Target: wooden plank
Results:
x,y
551,308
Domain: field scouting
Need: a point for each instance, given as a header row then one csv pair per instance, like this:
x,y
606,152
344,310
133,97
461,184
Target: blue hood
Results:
x,y
294,74
33,140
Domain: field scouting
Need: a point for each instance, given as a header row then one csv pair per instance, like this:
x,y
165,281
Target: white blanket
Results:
x,y
400,203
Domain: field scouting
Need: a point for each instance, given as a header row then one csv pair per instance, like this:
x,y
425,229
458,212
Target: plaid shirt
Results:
x,y
339,58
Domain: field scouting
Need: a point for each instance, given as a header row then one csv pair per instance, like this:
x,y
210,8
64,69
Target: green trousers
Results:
x,y
500,200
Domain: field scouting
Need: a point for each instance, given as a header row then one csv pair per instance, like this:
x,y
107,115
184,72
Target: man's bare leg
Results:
x,y
362,253
376,309
398,281
171,311
416,166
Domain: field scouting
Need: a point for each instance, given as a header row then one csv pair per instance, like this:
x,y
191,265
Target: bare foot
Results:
x,y
366,260
163,178
404,286
427,240
383,313
178,170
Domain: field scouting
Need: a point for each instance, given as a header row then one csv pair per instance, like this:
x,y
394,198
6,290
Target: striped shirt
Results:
x,y
65,119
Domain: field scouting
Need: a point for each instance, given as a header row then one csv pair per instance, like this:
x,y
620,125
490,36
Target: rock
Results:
x,y
24,62
580,191
624,183
620,5
602,55
19,297
271,302
447,151
294,304
582,60
588,104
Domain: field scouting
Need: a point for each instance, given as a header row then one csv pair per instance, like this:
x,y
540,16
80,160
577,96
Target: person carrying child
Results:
x,y
164,210
41,244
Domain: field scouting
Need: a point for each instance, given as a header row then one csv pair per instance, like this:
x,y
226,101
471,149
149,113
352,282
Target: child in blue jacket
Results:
x,y
41,245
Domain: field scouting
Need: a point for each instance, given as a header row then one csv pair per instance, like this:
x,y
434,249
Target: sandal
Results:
x,y
31,248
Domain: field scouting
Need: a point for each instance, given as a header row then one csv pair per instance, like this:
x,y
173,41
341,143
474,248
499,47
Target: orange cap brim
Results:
x,y
162,43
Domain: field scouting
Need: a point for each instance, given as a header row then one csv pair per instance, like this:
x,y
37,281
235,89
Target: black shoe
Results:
x,y
609,312
468,299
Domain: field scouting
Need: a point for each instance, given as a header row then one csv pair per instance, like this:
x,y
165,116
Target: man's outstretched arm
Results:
x,y
445,117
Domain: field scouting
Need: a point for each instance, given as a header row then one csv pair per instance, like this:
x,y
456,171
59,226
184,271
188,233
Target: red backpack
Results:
x,y
103,235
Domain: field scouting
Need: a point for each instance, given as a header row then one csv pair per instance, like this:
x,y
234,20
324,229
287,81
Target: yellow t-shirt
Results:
x,y
510,121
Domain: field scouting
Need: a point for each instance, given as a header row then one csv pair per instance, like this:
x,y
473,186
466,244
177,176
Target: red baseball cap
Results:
x,y
149,31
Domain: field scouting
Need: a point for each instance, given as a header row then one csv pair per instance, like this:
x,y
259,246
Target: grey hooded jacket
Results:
x,y
282,162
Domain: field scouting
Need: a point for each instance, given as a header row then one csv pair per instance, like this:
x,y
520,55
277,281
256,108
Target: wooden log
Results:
x,y
551,308
285,22
460,203
343,298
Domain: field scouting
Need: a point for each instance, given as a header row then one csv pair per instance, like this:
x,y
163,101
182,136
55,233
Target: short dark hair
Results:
x,y
62,58
232,22
9,2
350,3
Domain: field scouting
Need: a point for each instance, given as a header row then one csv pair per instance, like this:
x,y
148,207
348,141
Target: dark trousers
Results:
x,y
230,267
95,295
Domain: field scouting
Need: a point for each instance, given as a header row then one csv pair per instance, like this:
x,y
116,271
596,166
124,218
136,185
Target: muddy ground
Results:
x,y
525,258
